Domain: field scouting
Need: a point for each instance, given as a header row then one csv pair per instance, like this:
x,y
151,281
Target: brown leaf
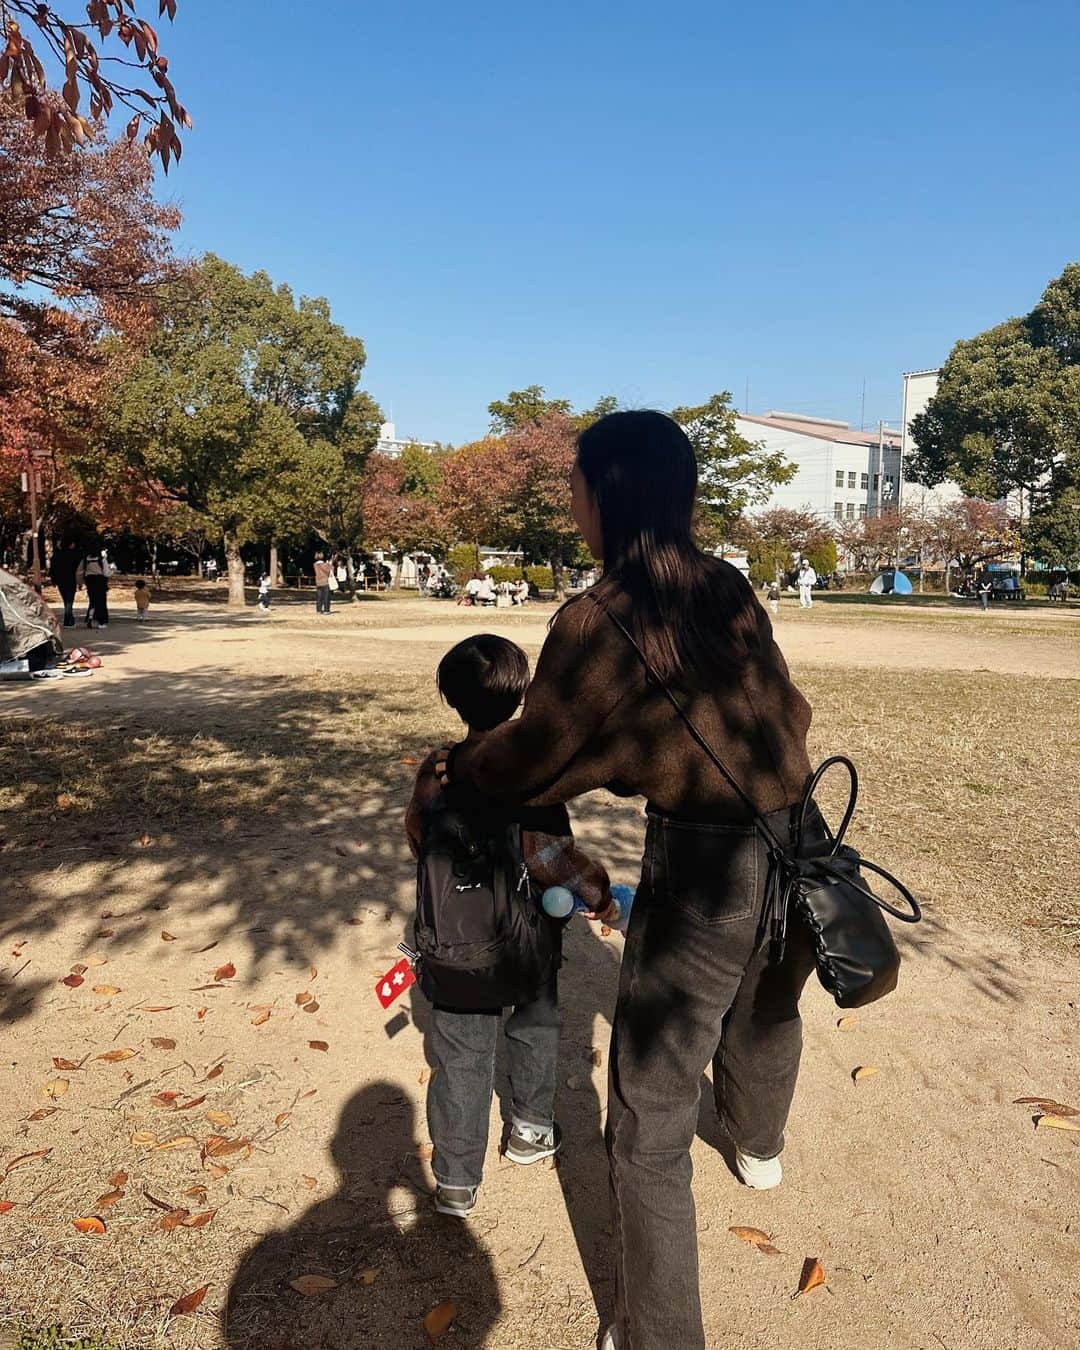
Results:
x,y
200,1220
162,1043
200,1013
1057,1123
116,1056
108,1199
596,1058
107,933
309,1182
221,1118
64,801
173,1219
863,1071
318,1045
201,988
56,1088
177,1141
159,1007
847,1023
90,1226
42,1113
812,1275
605,931
1047,1104
216,1170
303,998
79,969
754,1236
143,1139
189,1302
215,1072
368,1276
424,1152
6,1206
313,1284
160,1204
65,1064
311,1007
190,1105
425,1074
24,1159
95,960
144,840
167,937
281,1118
119,1180
225,972
262,1018
72,981
165,1100
439,1319
106,989
208,948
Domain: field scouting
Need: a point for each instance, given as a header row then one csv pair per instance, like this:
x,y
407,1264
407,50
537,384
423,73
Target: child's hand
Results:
x,y
609,914
441,758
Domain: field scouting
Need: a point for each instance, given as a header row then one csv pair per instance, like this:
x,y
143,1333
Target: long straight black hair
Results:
x,y
694,615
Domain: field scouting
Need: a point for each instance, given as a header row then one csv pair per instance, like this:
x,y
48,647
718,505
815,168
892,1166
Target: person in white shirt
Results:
x,y
485,593
807,582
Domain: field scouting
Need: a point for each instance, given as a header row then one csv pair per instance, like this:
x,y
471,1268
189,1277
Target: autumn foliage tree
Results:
x,y
107,53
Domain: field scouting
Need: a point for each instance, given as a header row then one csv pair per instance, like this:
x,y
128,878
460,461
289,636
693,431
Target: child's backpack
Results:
x,y
483,939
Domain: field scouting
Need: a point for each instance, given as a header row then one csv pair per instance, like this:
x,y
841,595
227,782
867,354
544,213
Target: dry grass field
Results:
x,y
209,827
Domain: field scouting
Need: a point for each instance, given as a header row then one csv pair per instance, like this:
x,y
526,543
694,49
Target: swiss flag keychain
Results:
x,y
396,980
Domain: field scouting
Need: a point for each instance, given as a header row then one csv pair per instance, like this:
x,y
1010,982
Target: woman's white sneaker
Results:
x,y
760,1174
610,1341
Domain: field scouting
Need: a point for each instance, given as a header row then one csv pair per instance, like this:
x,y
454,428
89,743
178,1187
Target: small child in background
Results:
x,y
774,596
264,592
142,600
484,680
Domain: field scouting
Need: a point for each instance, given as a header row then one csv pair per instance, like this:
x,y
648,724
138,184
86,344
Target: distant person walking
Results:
x,y
774,596
142,601
63,572
985,589
323,572
91,574
807,582
264,593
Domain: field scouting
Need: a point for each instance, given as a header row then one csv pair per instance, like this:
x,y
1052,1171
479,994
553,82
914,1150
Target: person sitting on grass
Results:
x,y
484,680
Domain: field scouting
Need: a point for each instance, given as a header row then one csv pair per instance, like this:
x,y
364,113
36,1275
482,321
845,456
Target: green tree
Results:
x,y
524,408
1052,534
733,473
244,407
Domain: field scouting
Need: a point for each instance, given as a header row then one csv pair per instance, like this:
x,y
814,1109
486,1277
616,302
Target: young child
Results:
x,y
142,600
484,680
264,592
774,596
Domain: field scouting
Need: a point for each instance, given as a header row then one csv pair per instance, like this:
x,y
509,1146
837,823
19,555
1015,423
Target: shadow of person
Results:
x,y
378,1238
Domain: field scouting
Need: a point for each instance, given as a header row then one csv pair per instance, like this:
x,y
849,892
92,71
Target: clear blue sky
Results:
x,y
655,201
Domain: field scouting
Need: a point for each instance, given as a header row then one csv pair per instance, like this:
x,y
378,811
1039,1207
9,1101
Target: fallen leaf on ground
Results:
x,y
65,1064
754,1236
160,1007
109,1198
107,933
106,989
846,1023
189,1302
91,1225
72,981
165,1100
1051,1107
216,1170
6,1205
409,760
439,1319
197,1193
1057,1123
42,1113
605,931
368,1276
217,1147
318,1045
177,1141
215,1072
208,948
596,1058
863,1071
144,840
162,1043
190,1105
311,1007
95,960
115,1056
424,1152
303,998
225,972
200,1013
310,1182
78,969
201,988
262,1018
119,1180
313,1284
280,1118
220,1118
24,1159
56,1088
812,1275
143,1138
173,1219
313,973
200,1220
64,801
167,937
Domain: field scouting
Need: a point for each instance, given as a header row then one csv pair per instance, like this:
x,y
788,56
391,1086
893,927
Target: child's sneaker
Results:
x,y
457,1201
530,1143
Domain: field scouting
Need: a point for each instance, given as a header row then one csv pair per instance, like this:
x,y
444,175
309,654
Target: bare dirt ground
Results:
x,y
226,792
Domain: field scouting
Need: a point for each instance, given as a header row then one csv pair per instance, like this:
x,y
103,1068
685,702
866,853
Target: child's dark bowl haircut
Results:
x,y
484,680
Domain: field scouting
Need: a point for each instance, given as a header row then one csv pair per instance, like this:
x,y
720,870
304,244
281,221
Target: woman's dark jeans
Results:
x,y
696,986
322,599
97,598
462,1046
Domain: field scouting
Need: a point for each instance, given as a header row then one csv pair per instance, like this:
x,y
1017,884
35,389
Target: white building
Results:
x,y
920,386
841,473
389,444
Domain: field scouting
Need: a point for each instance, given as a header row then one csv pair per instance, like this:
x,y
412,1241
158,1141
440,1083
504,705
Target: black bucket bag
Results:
x,y
818,877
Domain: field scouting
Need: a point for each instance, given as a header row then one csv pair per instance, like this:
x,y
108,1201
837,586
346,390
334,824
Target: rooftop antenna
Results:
x,y
746,400
862,410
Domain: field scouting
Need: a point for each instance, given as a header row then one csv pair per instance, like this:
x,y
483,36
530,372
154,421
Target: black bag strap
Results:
x,y
778,853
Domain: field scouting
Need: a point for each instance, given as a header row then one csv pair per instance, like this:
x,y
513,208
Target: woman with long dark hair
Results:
x,y
697,986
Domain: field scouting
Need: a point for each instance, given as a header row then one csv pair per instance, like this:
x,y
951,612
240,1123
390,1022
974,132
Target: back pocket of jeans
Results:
x,y
709,872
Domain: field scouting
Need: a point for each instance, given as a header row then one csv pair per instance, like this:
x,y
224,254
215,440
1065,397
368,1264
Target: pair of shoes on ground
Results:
x,y
527,1144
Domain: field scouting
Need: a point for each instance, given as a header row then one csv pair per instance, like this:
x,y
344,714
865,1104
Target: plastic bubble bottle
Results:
x,y
561,903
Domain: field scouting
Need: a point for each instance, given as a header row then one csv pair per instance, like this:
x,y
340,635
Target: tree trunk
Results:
x,y
948,576
153,558
922,569
558,579
275,570
235,564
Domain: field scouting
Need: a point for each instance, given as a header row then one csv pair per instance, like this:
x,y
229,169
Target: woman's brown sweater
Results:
x,y
590,720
